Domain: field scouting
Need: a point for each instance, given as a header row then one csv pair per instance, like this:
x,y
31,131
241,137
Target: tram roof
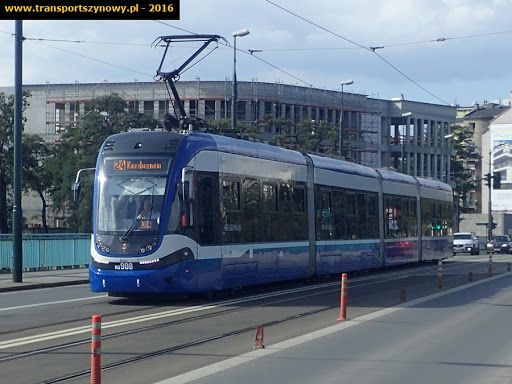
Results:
x,y
434,184
389,175
243,147
342,166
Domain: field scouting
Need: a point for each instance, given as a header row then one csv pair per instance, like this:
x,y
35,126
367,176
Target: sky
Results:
x,y
308,43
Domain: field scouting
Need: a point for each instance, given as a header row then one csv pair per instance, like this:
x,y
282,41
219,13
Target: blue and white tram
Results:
x,y
200,212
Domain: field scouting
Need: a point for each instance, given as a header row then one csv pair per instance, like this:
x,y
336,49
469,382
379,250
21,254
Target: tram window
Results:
x,y
350,205
298,199
174,218
250,211
404,207
251,193
338,205
231,195
285,204
373,221
393,224
362,219
412,208
269,197
324,215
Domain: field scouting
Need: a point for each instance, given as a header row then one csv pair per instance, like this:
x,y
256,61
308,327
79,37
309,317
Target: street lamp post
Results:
x,y
489,182
340,129
456,197
234,91
404,135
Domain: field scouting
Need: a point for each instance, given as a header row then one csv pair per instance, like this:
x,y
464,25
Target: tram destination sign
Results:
x,y
136,165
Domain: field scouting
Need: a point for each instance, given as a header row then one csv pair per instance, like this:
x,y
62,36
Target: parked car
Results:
x,y
466,242
501,243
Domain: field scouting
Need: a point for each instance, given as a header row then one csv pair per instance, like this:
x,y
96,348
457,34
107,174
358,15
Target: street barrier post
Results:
x,y
343,300
96,350
440,274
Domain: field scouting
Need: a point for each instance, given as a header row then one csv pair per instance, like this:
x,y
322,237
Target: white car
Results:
x,y
466,242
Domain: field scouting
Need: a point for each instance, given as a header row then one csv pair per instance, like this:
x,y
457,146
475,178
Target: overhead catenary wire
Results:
x,y
370,49
94,59
391,45
379,46
358,46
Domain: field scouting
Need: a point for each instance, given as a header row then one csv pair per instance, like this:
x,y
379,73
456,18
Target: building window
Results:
x,y
149,107
209,109
60,117
163,108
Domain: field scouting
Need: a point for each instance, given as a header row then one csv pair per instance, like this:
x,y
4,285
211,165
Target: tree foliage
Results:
x,y
36,176
465,153
7,154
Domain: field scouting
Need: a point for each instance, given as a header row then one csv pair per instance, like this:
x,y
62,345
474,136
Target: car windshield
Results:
x,y
462,236
501,238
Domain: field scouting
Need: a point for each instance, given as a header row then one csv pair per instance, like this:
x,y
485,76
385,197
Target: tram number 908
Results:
x,y
124,266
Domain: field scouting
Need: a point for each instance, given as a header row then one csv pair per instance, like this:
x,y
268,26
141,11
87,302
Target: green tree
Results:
x,y
465,153
36,176
79,148
7,153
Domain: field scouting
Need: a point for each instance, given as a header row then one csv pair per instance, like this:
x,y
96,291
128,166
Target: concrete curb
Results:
x,y
23,287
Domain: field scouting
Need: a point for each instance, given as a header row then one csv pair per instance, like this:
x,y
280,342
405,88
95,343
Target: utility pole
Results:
x,y
17,246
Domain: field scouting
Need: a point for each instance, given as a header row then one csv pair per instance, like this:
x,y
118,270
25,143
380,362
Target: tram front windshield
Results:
x,y
130,205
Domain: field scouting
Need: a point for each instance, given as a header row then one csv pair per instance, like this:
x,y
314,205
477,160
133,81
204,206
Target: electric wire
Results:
x,y
400,44
92,58
370,49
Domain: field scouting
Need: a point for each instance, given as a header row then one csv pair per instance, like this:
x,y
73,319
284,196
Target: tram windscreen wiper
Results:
x,y
126,237
147,211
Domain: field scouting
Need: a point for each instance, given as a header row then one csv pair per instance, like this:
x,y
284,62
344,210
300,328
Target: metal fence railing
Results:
x,y
48,251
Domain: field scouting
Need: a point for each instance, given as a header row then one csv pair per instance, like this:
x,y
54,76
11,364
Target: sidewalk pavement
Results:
x,y
44,279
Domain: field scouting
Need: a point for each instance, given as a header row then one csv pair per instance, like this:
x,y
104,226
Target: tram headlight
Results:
x,y
147,248
102,247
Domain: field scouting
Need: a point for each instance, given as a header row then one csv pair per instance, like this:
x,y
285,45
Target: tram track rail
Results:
x,y
223,309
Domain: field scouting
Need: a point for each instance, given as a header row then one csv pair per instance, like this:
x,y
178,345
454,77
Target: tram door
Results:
x,y
205,217
324,224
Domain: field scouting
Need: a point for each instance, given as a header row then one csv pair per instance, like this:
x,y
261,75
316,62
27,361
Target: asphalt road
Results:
x,y
458,336
45,334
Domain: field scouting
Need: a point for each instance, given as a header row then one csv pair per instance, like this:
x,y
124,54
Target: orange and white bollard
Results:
x,y
96,350
258,342
343,299
440,274
402,295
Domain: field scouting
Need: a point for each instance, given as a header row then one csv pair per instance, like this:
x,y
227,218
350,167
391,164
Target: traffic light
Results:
x,y
487,179
497,180
494,225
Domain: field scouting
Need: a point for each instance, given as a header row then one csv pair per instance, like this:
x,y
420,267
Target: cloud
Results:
x,y
453,69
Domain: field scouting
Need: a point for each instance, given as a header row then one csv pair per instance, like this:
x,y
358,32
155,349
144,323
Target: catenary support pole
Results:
x,y
17,251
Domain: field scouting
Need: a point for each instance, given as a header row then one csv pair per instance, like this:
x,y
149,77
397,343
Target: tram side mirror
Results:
x,y
75,189
184,191
186,184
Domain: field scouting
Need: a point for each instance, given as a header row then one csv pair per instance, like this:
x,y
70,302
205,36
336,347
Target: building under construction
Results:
x,y
404,135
